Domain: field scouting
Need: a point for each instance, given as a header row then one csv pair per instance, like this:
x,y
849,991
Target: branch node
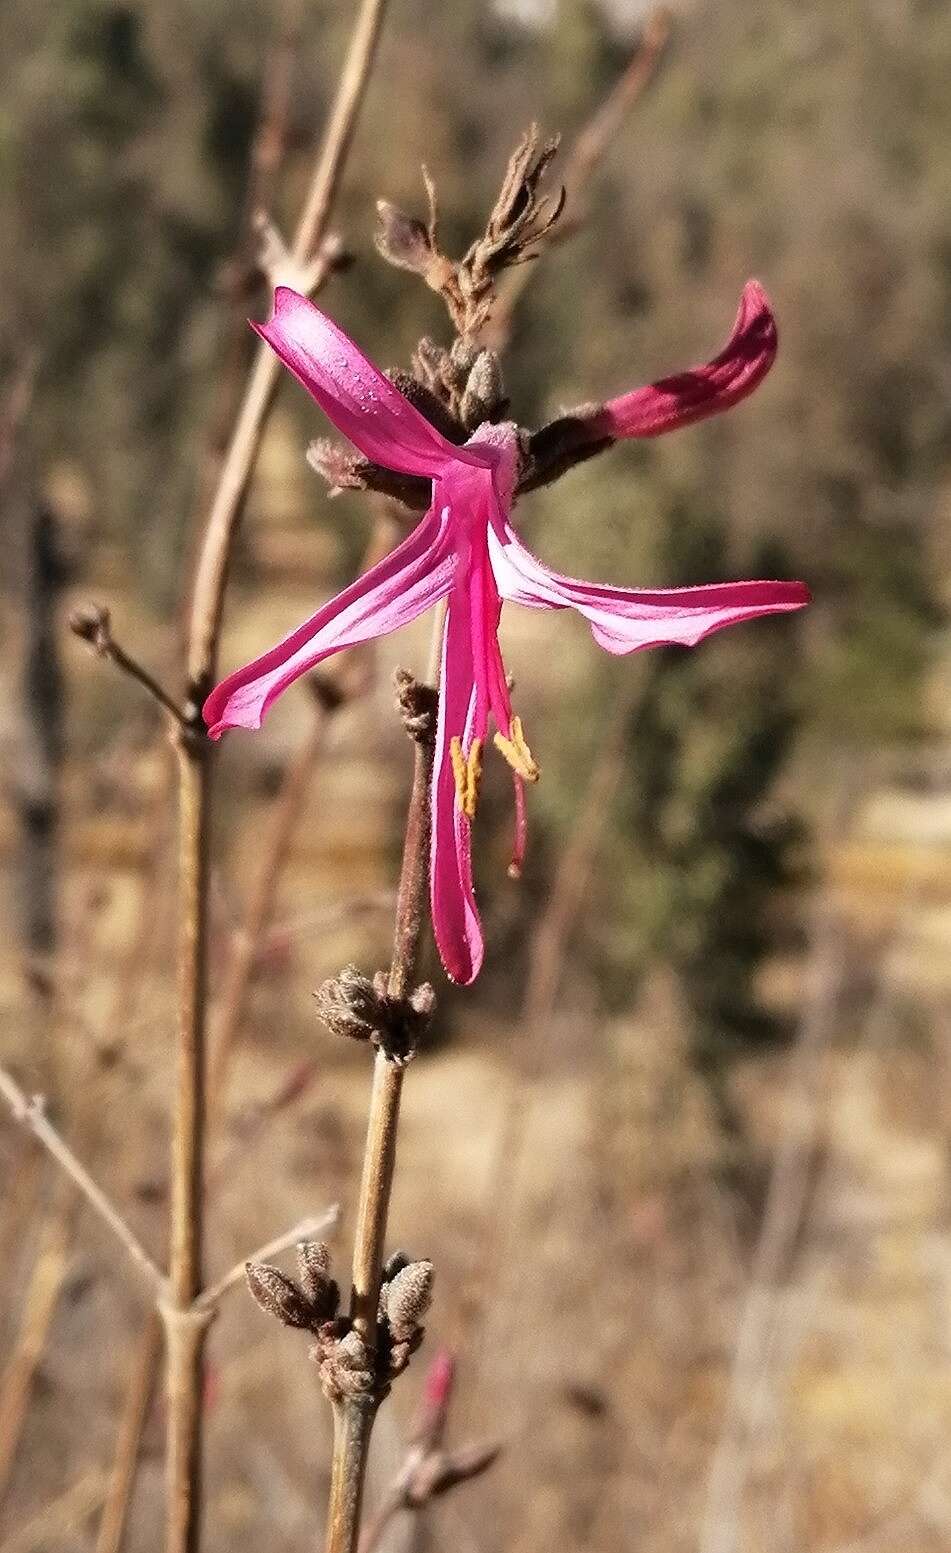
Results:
x,y
353,1005
279,266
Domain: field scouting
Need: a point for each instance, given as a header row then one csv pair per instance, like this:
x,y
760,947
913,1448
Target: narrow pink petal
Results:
x,y
692,396
355,395
415,575
623,620
456,924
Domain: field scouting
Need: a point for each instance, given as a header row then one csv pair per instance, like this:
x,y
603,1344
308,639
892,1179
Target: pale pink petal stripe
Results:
x,y
692,396
456,924
355,395
406,582
623,620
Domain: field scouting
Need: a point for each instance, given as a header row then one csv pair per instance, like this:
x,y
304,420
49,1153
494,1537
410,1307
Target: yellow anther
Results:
x,y
467,774
459,770
473,778
517,753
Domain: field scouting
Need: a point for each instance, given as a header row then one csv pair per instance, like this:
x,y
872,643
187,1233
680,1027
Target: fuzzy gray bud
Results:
x,y
278,1296
313,1265
408,1298
348,1004
401,239
484,397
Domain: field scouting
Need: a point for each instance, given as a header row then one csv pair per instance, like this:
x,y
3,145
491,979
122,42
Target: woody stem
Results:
x,y
353,1416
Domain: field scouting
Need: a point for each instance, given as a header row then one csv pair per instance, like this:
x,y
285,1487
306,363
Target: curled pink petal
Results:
x,y
456,924
412,577
624,620
692,396
355,395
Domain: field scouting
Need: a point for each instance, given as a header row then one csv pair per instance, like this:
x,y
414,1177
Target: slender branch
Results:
x,y
135,1408
31,1114
786,1204
257,914
590,147
353,1416
40,1299
305,1229
91,623
184,1340
56,1523
211,577
428,1469
597,136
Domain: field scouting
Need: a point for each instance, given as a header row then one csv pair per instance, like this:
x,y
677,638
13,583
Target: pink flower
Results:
x,y
465,550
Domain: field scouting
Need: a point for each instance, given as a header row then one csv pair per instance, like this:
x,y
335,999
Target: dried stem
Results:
x,y
184,1338
91,623
56,1524
353,1416
330,695
783,1217
306,1229
185,1335
135,1408
590,147
31,1114
211,577
41,1297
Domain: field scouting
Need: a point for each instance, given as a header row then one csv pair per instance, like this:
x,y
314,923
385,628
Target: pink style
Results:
x,y
465,550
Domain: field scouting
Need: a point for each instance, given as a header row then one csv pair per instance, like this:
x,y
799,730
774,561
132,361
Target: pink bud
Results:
x,y
440,1377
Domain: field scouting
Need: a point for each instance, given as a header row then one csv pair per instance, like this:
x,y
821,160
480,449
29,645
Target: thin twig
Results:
x,y
782,1220
30,1113
92,624
353,1416
135,1408
41,1297
55,1523
590,147
211,577
306,1229
599,133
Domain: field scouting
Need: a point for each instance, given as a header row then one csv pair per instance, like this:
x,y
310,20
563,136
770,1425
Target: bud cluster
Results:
x,y
353,1005
519,221
460,388
346,1363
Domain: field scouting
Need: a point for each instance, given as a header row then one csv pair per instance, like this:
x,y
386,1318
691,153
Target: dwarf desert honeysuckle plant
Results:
x,y
465,550
442,440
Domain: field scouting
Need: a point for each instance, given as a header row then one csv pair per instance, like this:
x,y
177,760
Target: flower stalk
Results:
x,y
354,1416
